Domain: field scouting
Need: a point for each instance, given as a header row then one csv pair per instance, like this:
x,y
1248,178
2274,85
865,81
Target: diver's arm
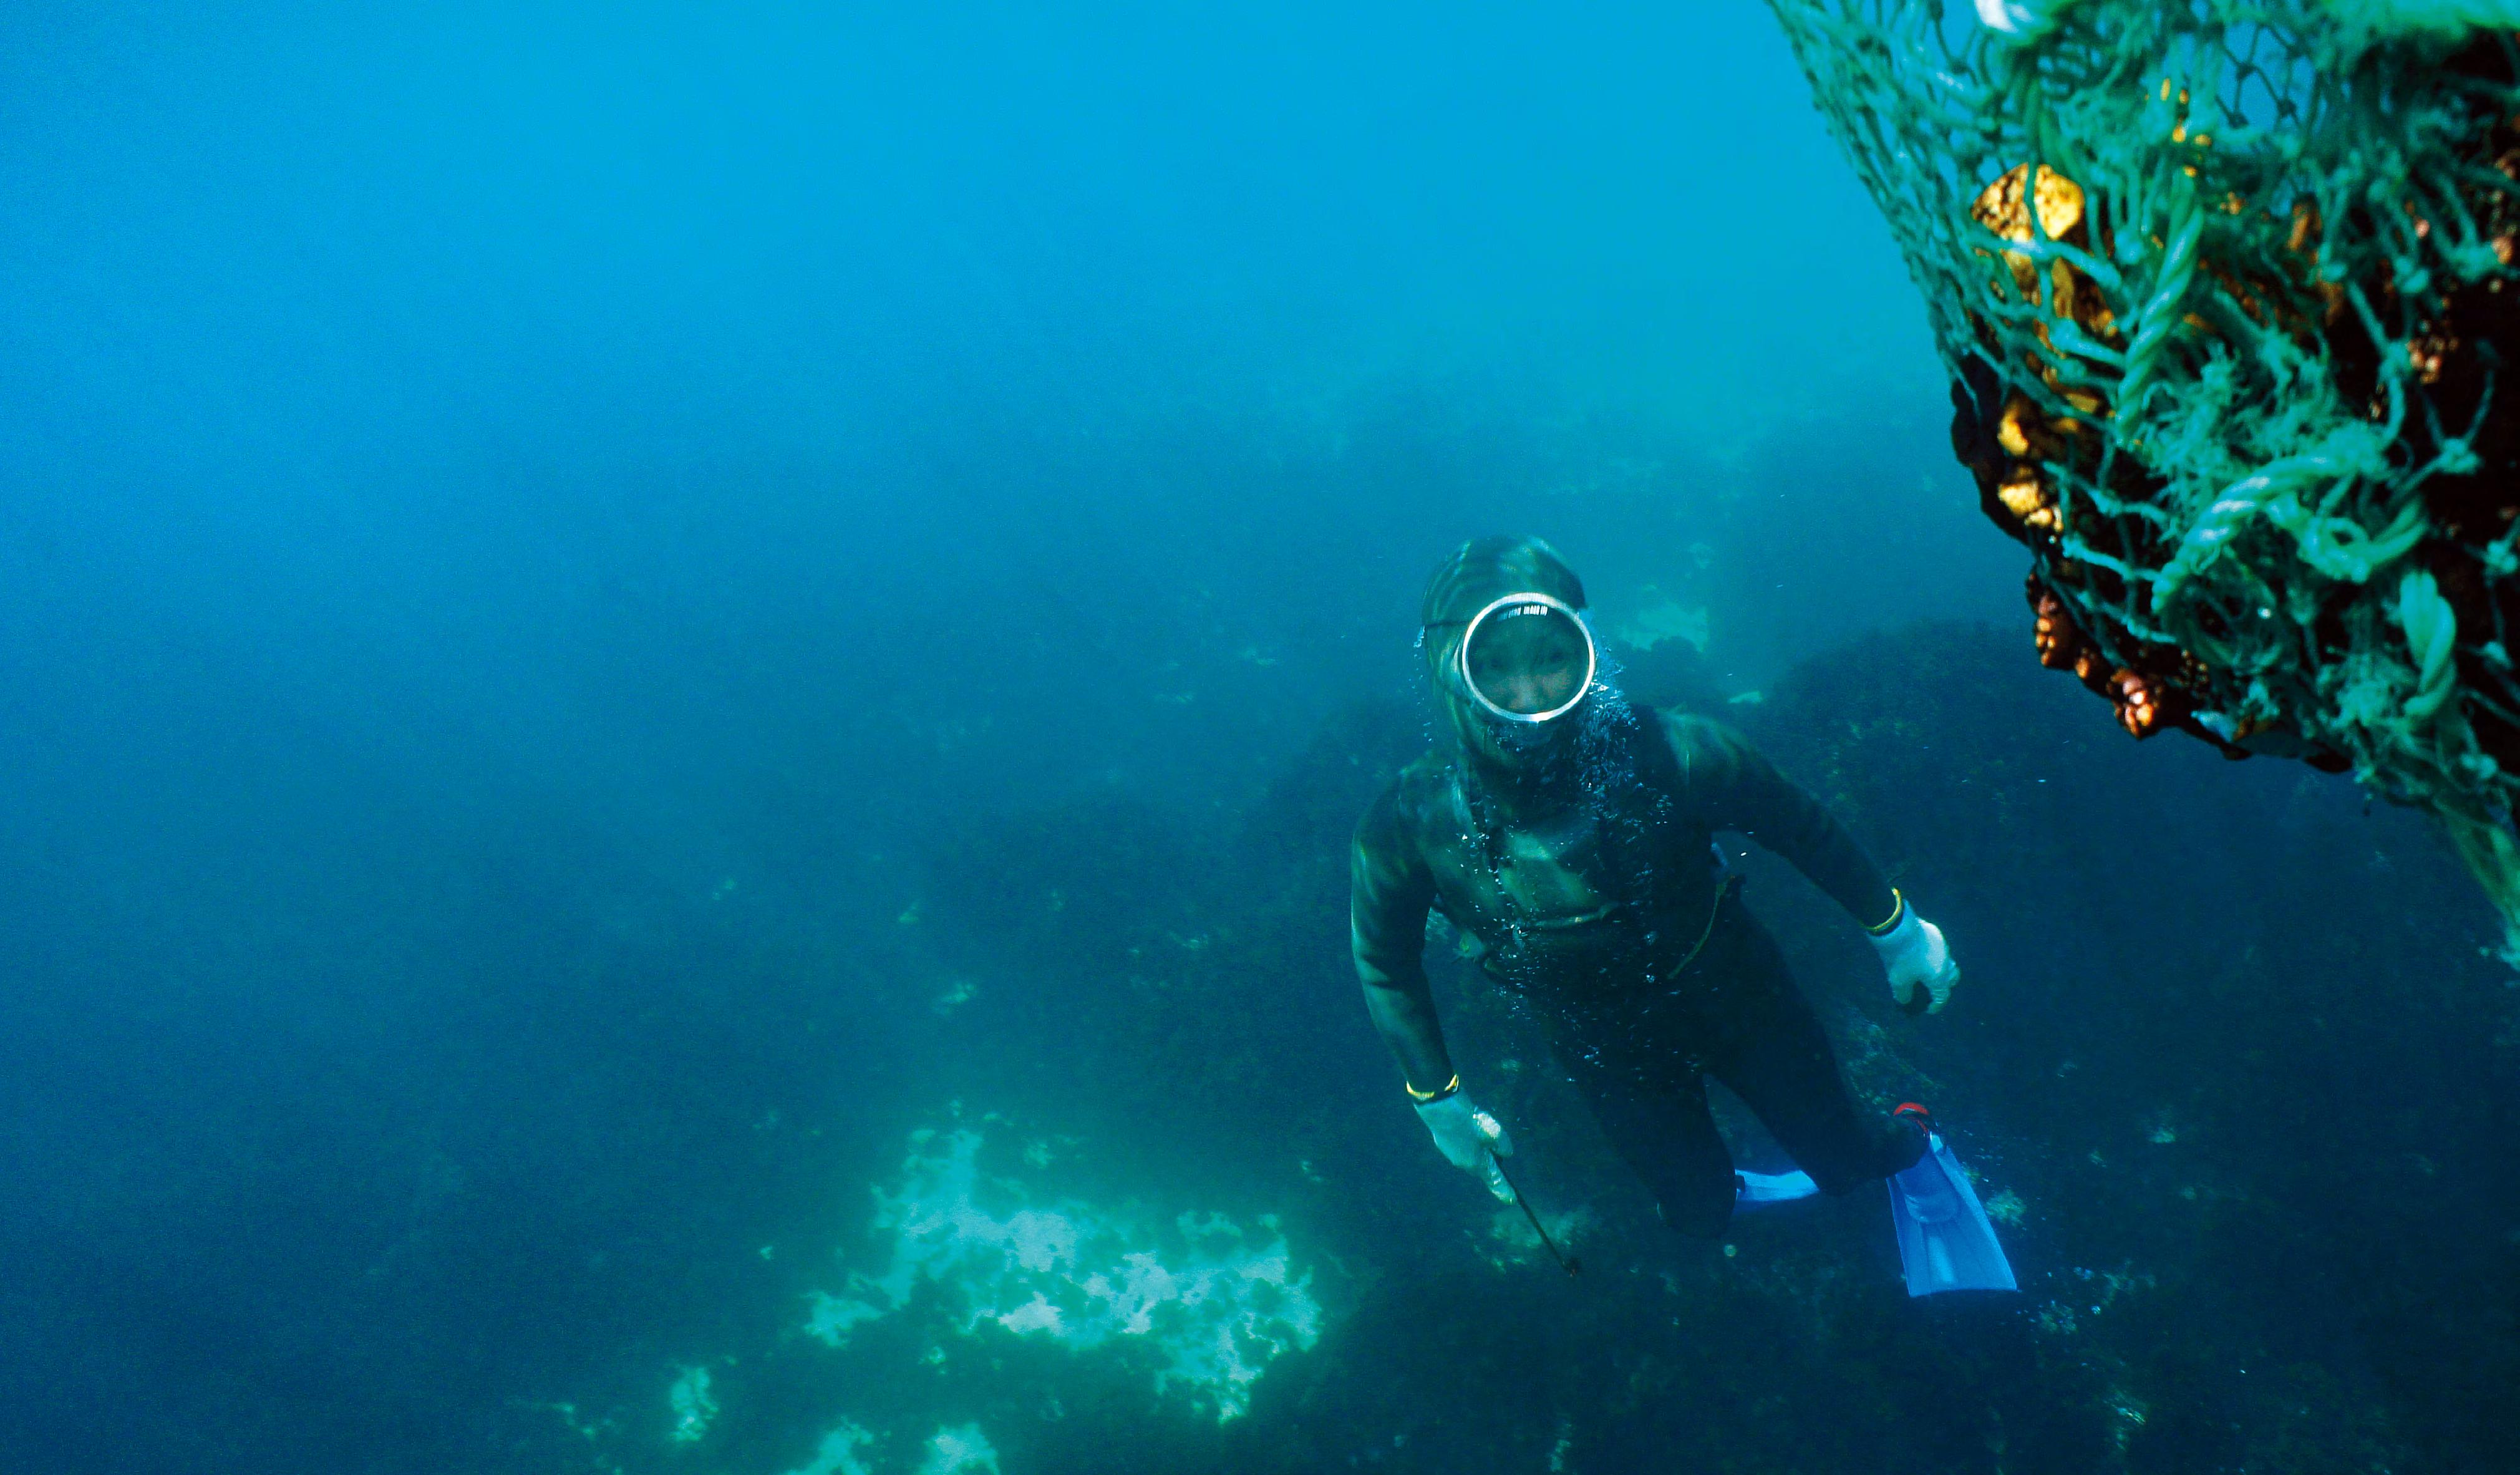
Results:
x,y
1733,786
1389,893
1406,1021
1737,788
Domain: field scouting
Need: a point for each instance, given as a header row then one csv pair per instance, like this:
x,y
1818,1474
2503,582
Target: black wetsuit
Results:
x,y
1602,898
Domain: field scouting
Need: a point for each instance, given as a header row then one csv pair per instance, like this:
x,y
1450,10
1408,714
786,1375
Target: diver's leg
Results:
x,y
1769,1049
1663,1131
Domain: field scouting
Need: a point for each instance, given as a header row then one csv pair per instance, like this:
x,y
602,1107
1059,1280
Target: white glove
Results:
x,y
1913,952
1470,1138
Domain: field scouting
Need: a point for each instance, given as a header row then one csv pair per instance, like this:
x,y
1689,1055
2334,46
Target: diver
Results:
x,y
1568,837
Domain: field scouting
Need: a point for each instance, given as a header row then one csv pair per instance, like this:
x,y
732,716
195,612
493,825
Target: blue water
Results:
x,y
642,647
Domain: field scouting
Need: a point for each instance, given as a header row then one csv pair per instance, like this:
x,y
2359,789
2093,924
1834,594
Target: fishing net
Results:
x,y
2229,293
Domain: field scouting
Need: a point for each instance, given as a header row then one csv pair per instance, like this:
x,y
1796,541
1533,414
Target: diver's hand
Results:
x,y
1469,1140
1913,952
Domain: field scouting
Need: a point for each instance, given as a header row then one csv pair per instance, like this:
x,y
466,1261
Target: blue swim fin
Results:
x,y
1945,1240
1758,1189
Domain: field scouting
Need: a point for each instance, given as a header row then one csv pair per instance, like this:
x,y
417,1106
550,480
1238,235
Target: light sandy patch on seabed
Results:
x,y
1220,1302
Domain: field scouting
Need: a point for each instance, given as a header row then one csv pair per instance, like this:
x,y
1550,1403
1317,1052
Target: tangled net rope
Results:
x,y
2230,294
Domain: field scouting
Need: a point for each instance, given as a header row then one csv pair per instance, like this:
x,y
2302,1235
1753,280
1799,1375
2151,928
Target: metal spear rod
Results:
x,y
1566,1262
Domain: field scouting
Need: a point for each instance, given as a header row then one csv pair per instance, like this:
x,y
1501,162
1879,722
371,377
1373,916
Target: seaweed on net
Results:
x,y
2227,288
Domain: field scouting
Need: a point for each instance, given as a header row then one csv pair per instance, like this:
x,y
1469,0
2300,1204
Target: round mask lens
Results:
x,y
1527,657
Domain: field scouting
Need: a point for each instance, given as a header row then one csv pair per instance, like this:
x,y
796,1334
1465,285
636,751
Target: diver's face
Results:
x,y
1529,663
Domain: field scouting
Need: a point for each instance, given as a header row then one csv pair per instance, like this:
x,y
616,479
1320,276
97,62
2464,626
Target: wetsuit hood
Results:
x,y
1483,571
1472,577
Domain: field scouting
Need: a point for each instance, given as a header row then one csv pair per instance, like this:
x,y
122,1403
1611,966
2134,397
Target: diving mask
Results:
x,y
1527,658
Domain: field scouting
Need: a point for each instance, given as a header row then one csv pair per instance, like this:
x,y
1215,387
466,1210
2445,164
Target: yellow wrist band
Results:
x,y
1424,1097
1898,912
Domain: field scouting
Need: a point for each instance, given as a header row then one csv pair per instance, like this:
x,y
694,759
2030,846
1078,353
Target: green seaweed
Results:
x,y
2226,285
